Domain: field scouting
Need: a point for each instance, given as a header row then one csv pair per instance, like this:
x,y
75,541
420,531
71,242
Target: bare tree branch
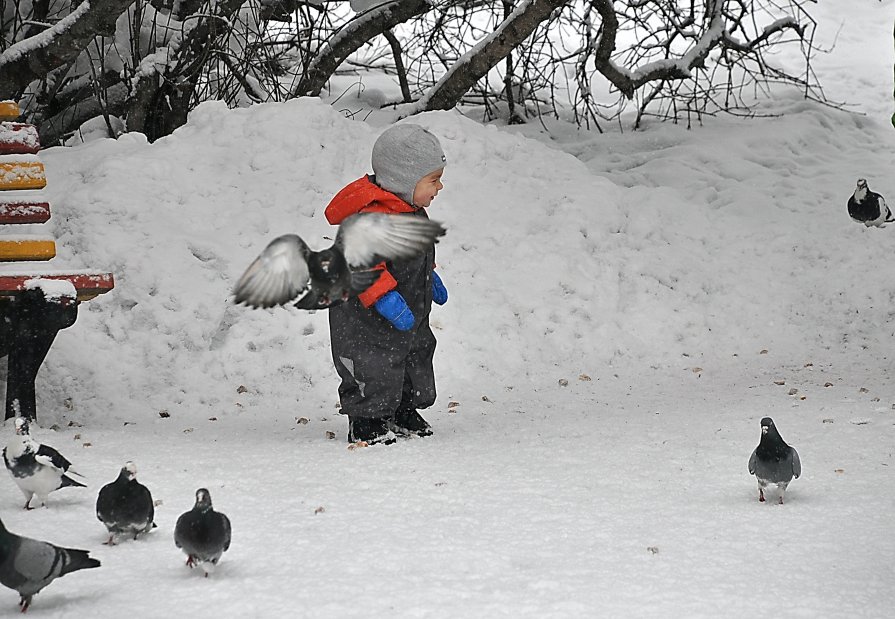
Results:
x,y
395,44
464,73
350,38
33,58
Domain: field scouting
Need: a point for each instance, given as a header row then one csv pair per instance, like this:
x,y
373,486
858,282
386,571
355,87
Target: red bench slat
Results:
x,y
18,138
24,212
87,285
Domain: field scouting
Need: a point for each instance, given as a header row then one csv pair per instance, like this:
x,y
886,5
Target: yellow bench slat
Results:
x,y
22,175
9,110
27,249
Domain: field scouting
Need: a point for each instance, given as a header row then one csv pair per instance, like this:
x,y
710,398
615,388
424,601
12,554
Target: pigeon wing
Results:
x,y
278,275
368,238
226,524
50,457
752,460
884,208
36,564
796,463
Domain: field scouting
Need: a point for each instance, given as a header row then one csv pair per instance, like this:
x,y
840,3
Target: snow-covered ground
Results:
x,y
624,309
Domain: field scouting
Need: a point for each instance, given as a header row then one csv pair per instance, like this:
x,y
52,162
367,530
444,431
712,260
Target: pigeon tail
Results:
x,y
78,560
68,481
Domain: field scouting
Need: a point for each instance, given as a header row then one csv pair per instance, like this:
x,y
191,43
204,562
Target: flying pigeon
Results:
x,y
868,207
37,469
202,533
125,506
287,268
773,461
28,565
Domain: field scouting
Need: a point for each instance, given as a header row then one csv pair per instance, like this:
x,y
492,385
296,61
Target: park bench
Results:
x,y
36,300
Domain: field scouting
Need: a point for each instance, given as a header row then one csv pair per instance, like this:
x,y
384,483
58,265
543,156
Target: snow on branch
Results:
x,y
786,23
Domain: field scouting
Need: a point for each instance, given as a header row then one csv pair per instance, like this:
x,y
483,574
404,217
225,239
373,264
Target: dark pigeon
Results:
x,y
287,268
125,506
202,533
868,207
773,461
28,565
37,469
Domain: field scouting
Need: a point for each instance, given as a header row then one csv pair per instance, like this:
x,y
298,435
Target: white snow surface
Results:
x,y
624,309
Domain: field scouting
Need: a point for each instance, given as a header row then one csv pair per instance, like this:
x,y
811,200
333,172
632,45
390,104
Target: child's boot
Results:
x,y
408,422
370,430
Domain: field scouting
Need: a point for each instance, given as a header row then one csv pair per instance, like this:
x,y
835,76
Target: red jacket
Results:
x,y
363,196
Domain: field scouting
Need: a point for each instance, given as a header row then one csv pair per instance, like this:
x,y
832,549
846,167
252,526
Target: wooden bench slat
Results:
x,y
16,250
18,138
9,110
22,175
24,211
87,284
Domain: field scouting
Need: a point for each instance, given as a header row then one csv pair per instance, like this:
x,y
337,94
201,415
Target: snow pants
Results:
x,y
384,370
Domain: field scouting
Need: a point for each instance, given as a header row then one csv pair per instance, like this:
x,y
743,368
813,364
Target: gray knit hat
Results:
x,y
404,154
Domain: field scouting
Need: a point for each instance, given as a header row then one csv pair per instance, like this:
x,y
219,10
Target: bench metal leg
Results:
x,y
29,326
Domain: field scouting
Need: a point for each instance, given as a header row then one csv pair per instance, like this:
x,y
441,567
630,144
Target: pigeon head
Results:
x,y
22,428
203,500
769,434
861,190
327,266
129,470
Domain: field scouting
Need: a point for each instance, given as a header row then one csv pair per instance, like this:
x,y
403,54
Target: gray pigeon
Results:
x,y
125,506
28,565
202,533
773,461
37,469
287,268
868,207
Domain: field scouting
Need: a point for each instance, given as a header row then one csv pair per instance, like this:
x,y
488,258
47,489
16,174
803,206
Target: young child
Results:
x,y
381,341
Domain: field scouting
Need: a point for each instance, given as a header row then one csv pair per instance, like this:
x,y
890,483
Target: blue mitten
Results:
x,y
393,308
439,292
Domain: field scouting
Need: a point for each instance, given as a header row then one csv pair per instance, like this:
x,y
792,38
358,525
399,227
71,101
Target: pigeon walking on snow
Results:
x,y
202,533
868,207
37,469
287,268
125,506
28,565
773,461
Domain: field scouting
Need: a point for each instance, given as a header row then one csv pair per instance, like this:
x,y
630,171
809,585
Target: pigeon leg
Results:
x,y
110,541
760,495
25,602
190,561
782,491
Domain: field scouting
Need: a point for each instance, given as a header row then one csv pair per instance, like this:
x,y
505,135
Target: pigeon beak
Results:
x,y
764,429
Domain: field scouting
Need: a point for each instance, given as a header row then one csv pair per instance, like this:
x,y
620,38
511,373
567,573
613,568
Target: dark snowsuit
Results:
x,y
383,370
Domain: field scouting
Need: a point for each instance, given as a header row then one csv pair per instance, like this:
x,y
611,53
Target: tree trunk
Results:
x,y
160,104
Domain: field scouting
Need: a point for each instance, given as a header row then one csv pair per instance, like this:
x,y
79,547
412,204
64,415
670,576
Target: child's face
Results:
x,y
427,188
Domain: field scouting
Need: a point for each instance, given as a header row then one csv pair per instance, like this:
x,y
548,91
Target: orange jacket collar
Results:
x,y
364,196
